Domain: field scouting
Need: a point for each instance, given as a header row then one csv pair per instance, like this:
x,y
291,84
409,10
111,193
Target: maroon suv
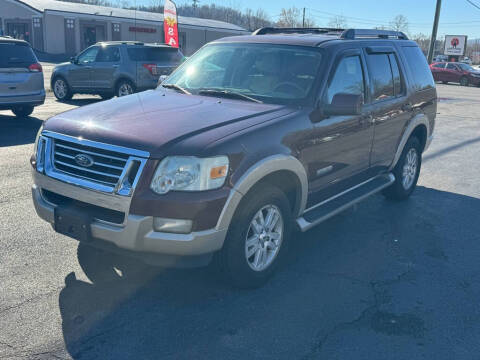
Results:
x,y
251,138
455,72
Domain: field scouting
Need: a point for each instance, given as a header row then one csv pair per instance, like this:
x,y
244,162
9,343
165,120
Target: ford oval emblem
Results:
x,y
84,160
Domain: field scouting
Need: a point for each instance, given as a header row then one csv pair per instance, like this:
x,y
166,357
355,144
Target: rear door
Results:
x,y
340,152
390,107
106,64
80,73
17,75
438,71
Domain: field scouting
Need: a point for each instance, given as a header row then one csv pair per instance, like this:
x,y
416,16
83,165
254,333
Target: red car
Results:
x,y
455,72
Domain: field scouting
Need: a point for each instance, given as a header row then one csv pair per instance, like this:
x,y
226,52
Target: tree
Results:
x,y
399,23
293,17
338,22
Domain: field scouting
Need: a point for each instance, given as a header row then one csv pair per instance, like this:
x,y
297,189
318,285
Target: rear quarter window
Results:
x,y
417,63
16,55
155,54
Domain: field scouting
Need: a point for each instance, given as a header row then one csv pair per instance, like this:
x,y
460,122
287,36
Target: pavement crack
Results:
x,y
4,310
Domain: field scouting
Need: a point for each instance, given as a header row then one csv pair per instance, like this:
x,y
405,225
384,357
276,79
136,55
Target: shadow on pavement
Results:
x,y
18,131
337,285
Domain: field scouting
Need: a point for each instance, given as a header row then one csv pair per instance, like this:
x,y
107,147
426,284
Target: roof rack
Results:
x,y
276,30
352,34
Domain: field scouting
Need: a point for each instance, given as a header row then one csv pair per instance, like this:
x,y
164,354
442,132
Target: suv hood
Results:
x,y
152,119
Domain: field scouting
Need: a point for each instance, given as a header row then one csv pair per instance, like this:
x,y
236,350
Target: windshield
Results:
x,y
278,74
466,67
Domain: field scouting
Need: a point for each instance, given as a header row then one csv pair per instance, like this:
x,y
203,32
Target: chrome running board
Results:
x,y
338,203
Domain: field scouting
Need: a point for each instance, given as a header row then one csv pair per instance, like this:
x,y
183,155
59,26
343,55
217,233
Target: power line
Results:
x,y
473,4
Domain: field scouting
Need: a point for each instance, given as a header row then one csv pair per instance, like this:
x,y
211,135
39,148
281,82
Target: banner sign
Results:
x,y
170,23
455,45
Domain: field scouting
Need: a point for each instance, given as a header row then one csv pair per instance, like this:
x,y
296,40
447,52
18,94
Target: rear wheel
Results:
x,y
61,90
124,88
257,239
406,171
464,81
22,111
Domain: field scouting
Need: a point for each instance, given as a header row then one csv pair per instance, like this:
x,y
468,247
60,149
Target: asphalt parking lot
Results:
x,y
381,281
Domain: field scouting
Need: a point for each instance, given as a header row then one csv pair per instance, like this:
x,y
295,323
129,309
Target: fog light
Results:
x,y
178,226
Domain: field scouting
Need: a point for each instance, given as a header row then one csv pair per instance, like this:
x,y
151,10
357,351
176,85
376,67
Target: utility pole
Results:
x,y
433,40
303,22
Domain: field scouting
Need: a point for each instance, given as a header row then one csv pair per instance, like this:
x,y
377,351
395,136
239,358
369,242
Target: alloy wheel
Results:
x,y
60,88
410,169
264,237
125,89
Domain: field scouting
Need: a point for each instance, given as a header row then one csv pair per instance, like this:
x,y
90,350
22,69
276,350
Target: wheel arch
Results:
x,y
283,171
419,126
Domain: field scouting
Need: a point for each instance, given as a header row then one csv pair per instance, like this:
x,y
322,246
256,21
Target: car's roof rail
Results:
x,y
352,34
277,30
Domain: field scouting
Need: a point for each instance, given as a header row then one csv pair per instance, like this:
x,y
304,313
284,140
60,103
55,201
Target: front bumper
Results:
x,y
136,233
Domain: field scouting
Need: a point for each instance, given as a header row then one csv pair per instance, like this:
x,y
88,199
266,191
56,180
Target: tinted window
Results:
x,y
422,76
15,55
440,65
88,55
155,54
108,54
381,75
348,78
465,67
397,79
451,67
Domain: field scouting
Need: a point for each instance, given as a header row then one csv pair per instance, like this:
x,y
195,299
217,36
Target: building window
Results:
x,y
36,22
116,27
70,23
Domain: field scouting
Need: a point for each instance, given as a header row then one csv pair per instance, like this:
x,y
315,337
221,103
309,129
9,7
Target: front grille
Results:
x,y
107,166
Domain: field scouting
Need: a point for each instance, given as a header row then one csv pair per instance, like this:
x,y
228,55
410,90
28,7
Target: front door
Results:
x,y
339,153
79,75
390,108
104,68
453,73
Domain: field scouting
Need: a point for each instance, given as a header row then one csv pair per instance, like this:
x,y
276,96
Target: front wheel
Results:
x,y
406,171
22,111
61,90
464,81
257,239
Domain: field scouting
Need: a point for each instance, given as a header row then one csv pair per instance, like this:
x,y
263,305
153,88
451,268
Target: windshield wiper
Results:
x,y
227,94
176,87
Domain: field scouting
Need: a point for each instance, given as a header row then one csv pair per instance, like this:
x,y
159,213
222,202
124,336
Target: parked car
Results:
x,y
440,58
251,137
114,68
455,72
21,78
466,60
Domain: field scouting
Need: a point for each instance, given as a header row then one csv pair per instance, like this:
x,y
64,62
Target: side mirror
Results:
x,y
344,104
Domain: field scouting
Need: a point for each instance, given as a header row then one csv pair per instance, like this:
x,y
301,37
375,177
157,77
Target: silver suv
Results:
x,y
21,77
114,68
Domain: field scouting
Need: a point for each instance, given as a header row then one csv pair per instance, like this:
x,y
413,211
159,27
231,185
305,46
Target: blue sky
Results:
x,y
457,16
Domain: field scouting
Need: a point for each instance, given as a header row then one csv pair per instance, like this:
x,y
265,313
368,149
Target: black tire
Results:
x,y
22,111
231,261
464,81
445,82
64,95
398,191
119,89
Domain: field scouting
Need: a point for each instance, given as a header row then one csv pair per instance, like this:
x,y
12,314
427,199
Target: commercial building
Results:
x,y
57,27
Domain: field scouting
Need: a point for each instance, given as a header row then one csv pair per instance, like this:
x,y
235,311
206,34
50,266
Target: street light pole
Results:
x,y
303,22
431,50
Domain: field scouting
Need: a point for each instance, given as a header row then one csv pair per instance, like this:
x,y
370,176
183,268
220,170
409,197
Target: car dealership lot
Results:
x,y
380,281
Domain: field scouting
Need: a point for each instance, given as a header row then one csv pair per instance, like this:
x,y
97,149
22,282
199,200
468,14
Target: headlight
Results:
x,y
39,149
189,173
